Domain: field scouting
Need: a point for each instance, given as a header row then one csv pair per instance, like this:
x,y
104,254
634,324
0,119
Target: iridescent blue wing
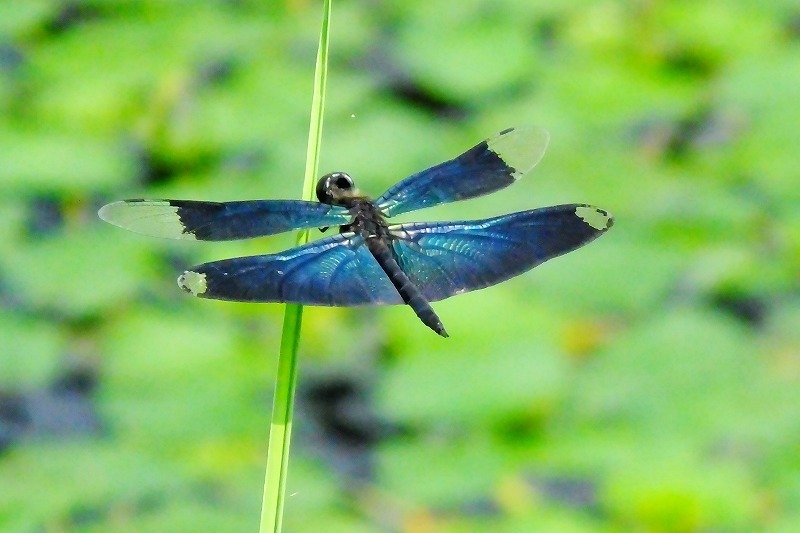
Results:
x,y
338,270
447,258
491,165
220,221
441,259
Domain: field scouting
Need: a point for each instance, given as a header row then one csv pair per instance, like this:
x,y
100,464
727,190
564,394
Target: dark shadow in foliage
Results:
x,y
675,139
156,163
213,72
70,15
700,130
574,492
403,87
547,32
11,58
525,426
15,79
61,410
690,63
749,309
792,27
418,97
579,493
45,216
10,299
152,168
104,510
337,419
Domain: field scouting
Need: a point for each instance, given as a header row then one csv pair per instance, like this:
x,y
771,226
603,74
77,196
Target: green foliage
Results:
x,y
647,382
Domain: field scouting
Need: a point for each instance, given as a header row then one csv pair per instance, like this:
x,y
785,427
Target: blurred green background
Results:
x,y
647,382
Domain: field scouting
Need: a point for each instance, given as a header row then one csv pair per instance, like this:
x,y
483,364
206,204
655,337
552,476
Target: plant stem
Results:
x,y
286,380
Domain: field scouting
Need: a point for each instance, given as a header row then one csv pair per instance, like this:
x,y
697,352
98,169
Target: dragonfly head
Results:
x,y
336,188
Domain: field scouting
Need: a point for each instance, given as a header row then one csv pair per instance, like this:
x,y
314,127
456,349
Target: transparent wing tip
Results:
x,y
520,148
156,218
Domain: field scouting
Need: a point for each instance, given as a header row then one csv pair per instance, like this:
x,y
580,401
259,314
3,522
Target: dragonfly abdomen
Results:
x,y
408,291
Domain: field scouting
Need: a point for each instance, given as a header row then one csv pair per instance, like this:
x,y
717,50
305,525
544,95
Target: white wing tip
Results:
x,y
599,219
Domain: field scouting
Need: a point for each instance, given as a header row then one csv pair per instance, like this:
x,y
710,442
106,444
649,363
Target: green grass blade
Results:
x,y
286,381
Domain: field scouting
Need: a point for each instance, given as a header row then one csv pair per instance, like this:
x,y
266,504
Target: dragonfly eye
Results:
x,y
331,187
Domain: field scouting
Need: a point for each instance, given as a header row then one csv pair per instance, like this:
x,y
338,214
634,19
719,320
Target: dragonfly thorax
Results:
x,y
368,219
338,188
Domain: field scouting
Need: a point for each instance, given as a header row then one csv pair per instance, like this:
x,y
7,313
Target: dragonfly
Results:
x,y
369,261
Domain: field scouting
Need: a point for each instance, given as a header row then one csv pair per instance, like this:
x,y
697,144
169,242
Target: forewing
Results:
x,y
491,165
338,271
220,221
447,258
